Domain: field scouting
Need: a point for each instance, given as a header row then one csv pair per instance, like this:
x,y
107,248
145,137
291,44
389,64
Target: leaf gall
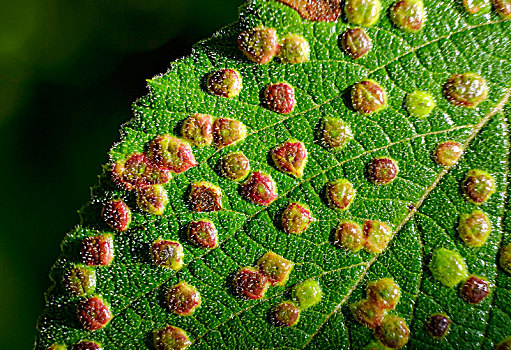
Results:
x,y
205,197
290,157
167,254
225,83
171,338
93,313
183,299
280,98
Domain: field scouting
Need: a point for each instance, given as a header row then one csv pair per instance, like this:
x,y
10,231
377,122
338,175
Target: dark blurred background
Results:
x,y
69,71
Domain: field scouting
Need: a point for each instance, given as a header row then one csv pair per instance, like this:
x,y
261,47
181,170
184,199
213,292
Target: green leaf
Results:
x,y
422,205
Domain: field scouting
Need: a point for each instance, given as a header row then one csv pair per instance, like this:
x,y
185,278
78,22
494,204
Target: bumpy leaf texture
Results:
x,y
422,205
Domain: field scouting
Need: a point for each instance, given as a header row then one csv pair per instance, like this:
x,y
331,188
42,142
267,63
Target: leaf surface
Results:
x,y
422,205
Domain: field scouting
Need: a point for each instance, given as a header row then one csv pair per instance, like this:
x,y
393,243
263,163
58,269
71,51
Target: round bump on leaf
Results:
x,y
152,199
368,97
438,325
474,228
294,49
466,90
296,218
348,235
198,129
479,7
408,15
171,153
286,314
235,166
384,292
167,254
290,157
419,104
393,332
259,44
363,12
117,215
377,236
307,294
275,268
335,133
203,234
340,194
382,170
205,197
448,267
80,280
250,283
505,258
356,43
136,171
228,131
171,338
225,83
259,189
93,313
447,153
368,313
98,250
478,186
183,299
475,290
280,98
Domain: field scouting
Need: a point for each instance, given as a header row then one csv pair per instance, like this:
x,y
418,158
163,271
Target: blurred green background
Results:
x,y
69,71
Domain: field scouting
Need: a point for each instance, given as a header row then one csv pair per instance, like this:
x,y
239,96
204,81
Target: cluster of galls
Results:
x,y
373,312
374,237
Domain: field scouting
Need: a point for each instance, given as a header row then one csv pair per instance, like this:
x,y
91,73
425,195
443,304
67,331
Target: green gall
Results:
x,y
260,189
474,228
203,234
285,314
393,332
377,236
356,43
474,290
503,8
167,254
80,280
438,325
227,132
117,215
280,98
336,134
198,129
294,49
250,283
296,218
348,235
171,338
478,186
368,97
98,251
447,153
448,267
275,268
368,313
224,83
307,294
363,12
183,299
152,199
408,15
169,152
136,171
384,292
340,194
235,166
259,44
505,258
466,90
479,7
290,157
205,197
382,170
419,104
93,313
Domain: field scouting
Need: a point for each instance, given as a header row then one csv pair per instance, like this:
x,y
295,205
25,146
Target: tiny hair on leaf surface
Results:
x,y
408,212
